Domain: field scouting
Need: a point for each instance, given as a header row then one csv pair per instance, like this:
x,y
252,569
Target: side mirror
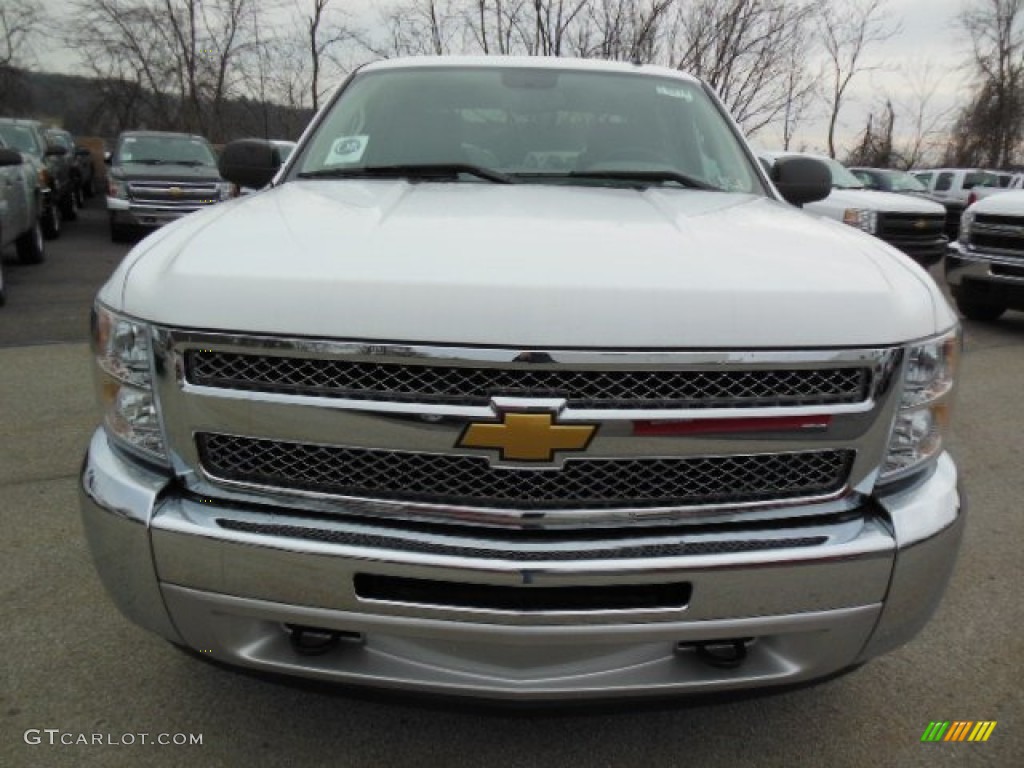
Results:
x,y
801,179
9,157
55,150
249,162
107,156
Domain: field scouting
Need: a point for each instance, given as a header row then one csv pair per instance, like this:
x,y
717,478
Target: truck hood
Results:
x,y
1001,202
526,266
876,200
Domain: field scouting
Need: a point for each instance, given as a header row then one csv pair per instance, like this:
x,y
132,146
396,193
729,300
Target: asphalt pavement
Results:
x,y
71,668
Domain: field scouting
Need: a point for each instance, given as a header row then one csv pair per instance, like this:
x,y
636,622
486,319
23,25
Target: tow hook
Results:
x,y
314,641
722,654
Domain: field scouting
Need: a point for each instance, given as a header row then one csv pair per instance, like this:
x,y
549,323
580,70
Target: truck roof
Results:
x,y
527,62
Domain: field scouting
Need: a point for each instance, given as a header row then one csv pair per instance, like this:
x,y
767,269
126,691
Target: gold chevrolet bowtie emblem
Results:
x,y
527,437
176,191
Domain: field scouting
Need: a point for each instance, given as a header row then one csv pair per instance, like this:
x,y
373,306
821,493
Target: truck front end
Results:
x,y
519,434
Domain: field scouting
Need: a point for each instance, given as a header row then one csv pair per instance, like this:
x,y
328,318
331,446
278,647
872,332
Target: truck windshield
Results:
x,y
159,150
20,138
980,179
841,177
530,125
904,182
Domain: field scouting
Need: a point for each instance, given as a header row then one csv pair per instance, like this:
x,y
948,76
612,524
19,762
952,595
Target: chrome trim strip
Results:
x,y
515,357
535,518
565,413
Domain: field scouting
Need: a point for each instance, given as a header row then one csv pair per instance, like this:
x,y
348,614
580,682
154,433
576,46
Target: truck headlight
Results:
x,y
225,190
124,383
861,218
966,222
925,403
117,188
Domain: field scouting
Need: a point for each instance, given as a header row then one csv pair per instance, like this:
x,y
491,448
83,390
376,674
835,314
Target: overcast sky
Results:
x,y
929,36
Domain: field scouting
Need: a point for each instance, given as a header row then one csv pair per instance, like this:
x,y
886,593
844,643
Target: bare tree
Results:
x,y
875,146
551,22
21,23
419,27
322,35
745,49
494,26
625,30
182,52
990,127
928,122
848,28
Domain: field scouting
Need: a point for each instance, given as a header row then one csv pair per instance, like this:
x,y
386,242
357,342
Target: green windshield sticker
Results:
x,y
347,149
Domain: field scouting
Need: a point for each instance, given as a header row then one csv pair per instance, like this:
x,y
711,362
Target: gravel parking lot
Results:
x,y
73,667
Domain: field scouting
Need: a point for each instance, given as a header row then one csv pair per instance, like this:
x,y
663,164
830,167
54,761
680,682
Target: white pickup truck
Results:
x,y
985,266
912,224
525,381
20,202
957,188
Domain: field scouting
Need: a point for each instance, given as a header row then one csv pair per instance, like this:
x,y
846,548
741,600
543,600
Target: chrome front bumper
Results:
x,y
998,277
149,215
219,579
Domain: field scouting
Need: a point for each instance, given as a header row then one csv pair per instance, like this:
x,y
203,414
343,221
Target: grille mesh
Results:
x,y
470,480
924,226
1003,232
475,386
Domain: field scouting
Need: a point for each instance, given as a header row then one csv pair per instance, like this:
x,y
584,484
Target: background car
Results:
x,y
63,169
19,210
912,224
156,177
957,188
890,180
83,174
28,137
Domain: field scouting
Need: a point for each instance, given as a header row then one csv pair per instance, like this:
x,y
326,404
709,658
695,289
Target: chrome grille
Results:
x,y
187,194
1002,233
910,226
470,480
661,388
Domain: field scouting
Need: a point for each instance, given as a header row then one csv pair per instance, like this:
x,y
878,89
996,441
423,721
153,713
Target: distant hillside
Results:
x,y
91,107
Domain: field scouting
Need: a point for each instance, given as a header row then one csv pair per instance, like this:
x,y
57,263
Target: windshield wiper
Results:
x,y
190,163
411,171
682,179
146,161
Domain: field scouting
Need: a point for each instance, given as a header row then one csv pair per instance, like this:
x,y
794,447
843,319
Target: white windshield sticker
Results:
x,y
675,93
347,149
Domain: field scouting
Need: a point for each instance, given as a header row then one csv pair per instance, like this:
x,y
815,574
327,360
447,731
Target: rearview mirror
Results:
x,y
9,157
249,162
801,179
